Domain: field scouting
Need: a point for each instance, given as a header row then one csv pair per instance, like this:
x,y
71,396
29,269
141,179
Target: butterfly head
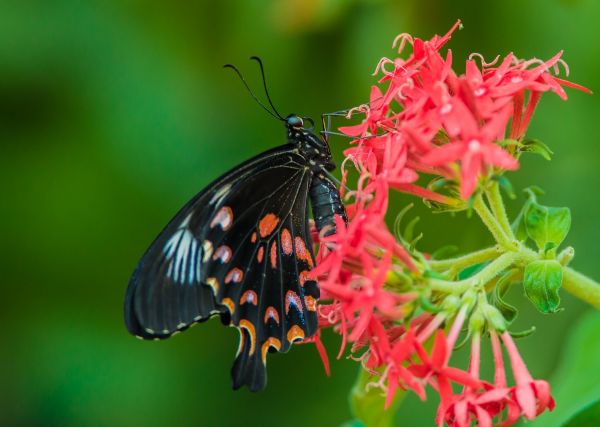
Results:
x,y
312,147
294,122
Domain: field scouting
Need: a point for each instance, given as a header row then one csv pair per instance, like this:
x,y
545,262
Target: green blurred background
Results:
x,y
114,113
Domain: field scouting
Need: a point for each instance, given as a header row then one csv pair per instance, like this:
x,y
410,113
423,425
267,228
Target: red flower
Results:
x,y
435,370
481,405
474,148
375,111
532,396
398,375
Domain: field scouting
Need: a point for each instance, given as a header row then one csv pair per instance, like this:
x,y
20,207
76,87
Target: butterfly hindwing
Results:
x,y
241,249
269,303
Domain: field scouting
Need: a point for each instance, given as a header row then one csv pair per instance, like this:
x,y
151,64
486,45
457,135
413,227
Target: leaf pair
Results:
x,y
547,227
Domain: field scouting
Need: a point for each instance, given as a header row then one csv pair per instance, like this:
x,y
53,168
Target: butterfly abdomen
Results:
x,y
326,204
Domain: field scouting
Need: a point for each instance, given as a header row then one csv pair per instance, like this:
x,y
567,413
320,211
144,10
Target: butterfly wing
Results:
x,y
241,249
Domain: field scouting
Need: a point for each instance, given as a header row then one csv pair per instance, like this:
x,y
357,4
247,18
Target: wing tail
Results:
x,y
248,369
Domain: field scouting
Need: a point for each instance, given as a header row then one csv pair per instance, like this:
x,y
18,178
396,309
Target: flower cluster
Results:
x,y
423,117
398,310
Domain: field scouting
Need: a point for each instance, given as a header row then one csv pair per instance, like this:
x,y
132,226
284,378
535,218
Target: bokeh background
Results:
x,y
114,113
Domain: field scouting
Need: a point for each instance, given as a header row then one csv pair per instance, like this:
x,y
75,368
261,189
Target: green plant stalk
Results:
x,y
581,286
497,205
461,262
492,224
484,276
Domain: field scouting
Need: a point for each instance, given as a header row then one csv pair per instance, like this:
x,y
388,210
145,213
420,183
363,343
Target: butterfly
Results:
x,y
241,249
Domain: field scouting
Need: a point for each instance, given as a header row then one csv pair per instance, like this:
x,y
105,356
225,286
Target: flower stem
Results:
x,y
461,262
581,286
488,273
491,223
497,204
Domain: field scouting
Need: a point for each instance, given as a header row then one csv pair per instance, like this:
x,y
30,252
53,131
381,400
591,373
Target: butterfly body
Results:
x,y
241,248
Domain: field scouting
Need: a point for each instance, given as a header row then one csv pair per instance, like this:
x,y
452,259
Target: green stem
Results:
x,y
581,286
484,276
461,262
497,204
492,223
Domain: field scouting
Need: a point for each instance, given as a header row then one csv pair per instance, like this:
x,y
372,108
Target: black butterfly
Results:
x,y
241,249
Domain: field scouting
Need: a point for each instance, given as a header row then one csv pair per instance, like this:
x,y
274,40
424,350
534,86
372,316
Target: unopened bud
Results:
x,y
451,304
469,298
476,322
494,317
566,256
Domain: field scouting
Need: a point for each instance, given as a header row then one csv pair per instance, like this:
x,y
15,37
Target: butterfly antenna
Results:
x,y
262,72
234,68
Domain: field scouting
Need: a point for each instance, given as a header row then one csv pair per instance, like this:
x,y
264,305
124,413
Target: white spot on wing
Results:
x,y
182,252
223,218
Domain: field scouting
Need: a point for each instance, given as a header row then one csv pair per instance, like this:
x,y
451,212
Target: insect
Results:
x,y
241,249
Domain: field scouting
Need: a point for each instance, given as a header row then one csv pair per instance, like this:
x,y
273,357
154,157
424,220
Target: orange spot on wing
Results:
x,y
249,297
302,252
247,325
303,277
223,217
292,299
235,275
260,254
267,224
286,242
271,313
229,304
295,333
253,237
270,342
273,255
310,302
241,343
214,284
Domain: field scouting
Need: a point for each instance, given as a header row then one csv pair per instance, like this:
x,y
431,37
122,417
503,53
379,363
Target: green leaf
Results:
x,y
537,147
368,407
542,281
576,390
518,226
502,286
588,417
546,224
